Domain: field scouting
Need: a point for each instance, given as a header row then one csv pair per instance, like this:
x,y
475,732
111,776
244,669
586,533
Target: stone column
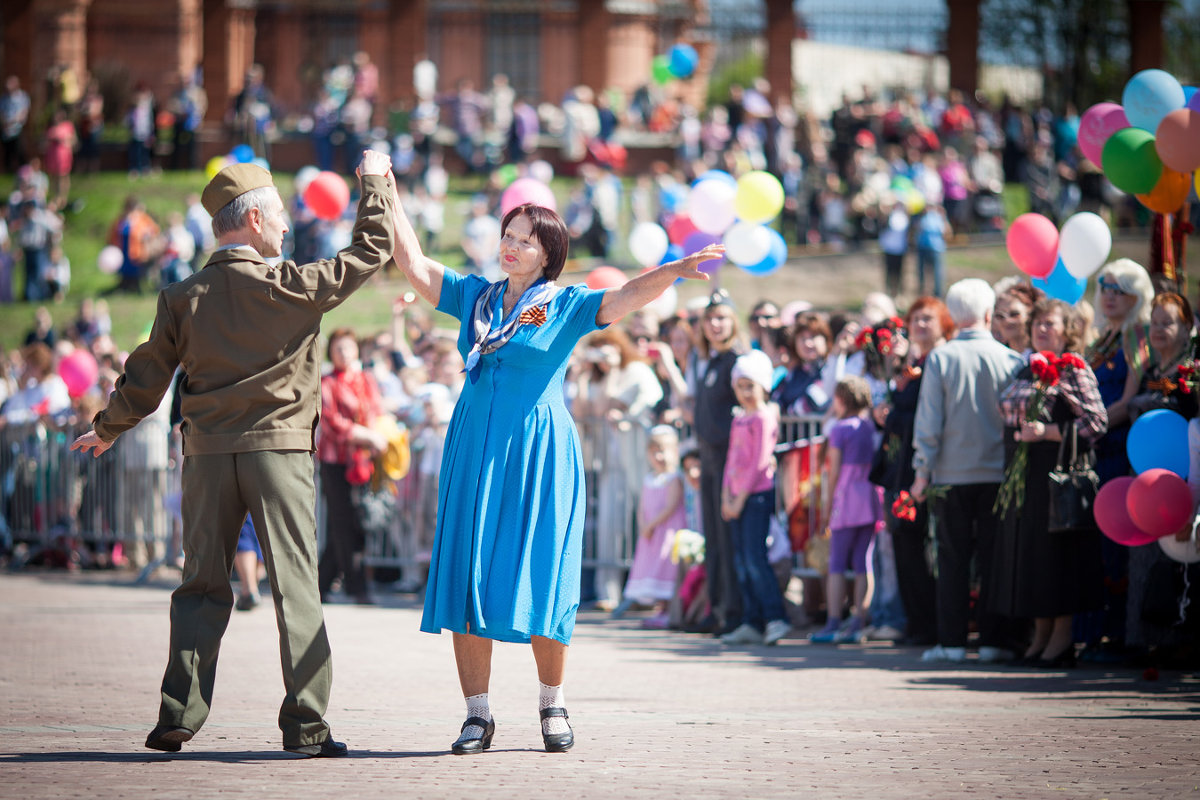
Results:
x,y
228,52
1145,34
595,24
962,45
781,29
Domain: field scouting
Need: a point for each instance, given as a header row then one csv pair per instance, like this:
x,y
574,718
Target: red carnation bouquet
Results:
x,y
1047,368
878,344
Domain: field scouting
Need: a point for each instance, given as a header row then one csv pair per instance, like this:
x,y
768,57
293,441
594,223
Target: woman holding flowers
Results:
x,y
1046,576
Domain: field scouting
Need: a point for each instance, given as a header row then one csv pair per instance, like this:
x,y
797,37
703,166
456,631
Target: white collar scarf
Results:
x,y
487,337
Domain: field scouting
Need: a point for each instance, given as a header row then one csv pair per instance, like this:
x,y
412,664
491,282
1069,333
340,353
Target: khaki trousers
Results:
x,y
276,488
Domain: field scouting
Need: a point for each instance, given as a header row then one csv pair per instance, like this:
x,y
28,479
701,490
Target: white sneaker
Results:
x,y
884,633
994,655
743,634
776,630
939,653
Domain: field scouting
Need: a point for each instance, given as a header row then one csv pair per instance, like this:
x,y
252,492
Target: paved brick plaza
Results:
x,y
656,715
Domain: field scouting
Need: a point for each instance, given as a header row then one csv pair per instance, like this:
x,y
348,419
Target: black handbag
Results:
x,y
1073,488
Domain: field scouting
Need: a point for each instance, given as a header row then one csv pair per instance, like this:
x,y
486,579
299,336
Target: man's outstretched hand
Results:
x,y
374,163
90,441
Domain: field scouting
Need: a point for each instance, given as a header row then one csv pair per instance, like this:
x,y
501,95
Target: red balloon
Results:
x,y
605,278
327,195
1112,515
1032,242
79,372
1159,502
680,228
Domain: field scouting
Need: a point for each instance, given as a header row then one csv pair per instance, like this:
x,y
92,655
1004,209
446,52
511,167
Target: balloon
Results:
x,y
682,60
673,198
215,165
1097,124
697,242
1188,93
1159,440
1197,181
1194,101
327,195
242,154
759,197
660,69
648,243
679,228
1149,96
1159,502
746,243
1112,514
774,258
1062,285
1169,194
1185,552
1084,244
716,175
1177,140
541,170
710,205
1032,242
605,278
506,173
526,190
261,162
1130,161
110,259
78,371
304,176
674,253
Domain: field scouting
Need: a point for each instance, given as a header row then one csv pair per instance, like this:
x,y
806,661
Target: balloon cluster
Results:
x,y
240,154
1158,502
1059,262
679,62
1148,145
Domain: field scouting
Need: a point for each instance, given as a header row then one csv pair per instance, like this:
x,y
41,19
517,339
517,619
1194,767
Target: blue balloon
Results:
x,y
682,60
774,258
674,253
716,175
673,198
1188,91
242,154
1159,440
1062,285
261,162
1149,96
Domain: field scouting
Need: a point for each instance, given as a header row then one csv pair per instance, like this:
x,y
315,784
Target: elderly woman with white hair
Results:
x,y
1118,356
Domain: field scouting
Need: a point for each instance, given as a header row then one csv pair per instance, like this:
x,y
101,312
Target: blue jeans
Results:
x,y
761,601
934,260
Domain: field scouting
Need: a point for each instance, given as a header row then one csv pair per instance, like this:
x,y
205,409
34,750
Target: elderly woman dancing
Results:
x,y
507,552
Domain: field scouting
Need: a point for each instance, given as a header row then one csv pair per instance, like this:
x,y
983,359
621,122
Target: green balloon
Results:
x,y
660,68
507,173
1130,161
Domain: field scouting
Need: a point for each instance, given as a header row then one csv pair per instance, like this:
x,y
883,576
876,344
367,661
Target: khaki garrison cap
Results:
x,y
232,182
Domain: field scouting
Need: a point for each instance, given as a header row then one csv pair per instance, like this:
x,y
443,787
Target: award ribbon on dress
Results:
x,y
488,339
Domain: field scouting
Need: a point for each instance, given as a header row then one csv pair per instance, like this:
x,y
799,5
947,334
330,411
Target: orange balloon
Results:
x,y
1169,194
1177,140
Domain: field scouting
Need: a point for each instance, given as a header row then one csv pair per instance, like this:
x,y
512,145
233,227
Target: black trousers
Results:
x,y
918,591
344,536
724,591
965,531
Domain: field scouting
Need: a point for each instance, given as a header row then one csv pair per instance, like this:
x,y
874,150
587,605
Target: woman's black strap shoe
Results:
x,y
476,745
557,742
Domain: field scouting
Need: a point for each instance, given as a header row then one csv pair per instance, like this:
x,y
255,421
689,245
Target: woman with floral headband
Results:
x,y
507,551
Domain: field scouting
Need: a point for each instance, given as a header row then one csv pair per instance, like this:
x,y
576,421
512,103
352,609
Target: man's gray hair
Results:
x,y
232,216
969,301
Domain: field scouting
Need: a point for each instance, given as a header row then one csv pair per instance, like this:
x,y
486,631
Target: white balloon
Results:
x,y
425,75
648,243
542,171
747,243
710,205
110,259
1185,552
663,306
304,176
1084,244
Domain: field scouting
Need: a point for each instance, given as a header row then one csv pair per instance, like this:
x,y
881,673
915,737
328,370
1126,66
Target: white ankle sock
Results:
x,y
552,697
477,706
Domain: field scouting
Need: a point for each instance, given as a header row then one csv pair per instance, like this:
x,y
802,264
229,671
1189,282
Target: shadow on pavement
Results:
x,y
220,757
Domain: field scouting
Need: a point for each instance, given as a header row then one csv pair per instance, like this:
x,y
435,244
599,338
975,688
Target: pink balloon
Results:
x,y
327,195
1032,242
1159,502
78,371
526,190
1112,514
680,228
1097,124
606,278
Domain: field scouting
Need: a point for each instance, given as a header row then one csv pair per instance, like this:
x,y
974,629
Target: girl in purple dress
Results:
x,y
855,510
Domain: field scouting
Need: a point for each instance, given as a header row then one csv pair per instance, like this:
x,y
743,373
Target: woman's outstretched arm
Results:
x,y
422,272
647,286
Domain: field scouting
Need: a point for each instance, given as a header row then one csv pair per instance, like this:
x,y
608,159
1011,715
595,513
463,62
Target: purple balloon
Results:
x,y
1097,124
695,242
1193,102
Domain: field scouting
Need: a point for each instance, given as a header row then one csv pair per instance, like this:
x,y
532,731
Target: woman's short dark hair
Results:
x,y
808,322
335,335
550,231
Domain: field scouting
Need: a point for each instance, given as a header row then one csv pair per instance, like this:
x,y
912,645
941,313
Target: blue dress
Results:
x,y
509,543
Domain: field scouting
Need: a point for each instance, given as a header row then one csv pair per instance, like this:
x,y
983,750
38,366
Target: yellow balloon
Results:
x,y
759,197
1197,181
215,165
914,201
